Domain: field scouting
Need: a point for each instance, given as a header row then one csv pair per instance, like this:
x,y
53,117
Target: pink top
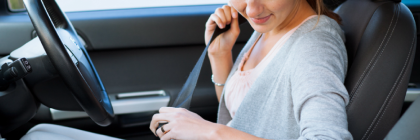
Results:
x,y
241,81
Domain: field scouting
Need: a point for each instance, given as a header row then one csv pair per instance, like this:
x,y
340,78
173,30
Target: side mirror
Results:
x,y
16,5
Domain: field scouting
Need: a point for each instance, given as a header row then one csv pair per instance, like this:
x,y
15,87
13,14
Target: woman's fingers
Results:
x,y
216,20
168,136
159,132
234,12
234,26
166,128
167,114
158,118
167,109
228,14
221,14
221,18
171,109
182,124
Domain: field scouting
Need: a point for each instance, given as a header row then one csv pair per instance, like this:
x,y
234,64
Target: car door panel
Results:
x,y
126,28
133,50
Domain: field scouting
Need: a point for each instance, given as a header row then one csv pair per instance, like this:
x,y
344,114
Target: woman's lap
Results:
x,y
51,131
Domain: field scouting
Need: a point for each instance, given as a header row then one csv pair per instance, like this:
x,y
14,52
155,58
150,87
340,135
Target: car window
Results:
x,y
89,5
93,5
411,2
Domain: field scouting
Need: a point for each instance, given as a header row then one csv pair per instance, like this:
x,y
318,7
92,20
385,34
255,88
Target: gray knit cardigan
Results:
x,y
300,94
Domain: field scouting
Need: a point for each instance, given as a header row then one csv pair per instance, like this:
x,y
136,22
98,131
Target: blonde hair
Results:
x,y
321,9
318,6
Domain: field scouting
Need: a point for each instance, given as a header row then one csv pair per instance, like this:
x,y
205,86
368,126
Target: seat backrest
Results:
x,y
380,41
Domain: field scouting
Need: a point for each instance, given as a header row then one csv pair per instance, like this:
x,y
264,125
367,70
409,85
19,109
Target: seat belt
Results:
x,y
183,99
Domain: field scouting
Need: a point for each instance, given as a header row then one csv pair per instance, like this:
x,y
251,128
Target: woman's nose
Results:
x,y
254,8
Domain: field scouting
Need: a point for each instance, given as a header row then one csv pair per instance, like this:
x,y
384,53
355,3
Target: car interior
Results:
x,y
109,71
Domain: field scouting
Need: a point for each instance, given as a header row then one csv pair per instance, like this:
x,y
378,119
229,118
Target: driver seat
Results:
x,y
381,43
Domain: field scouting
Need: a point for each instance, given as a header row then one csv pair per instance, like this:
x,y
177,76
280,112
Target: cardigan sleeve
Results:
x,y
318,93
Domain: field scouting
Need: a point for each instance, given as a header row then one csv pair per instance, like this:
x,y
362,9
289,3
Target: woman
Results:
x,y
287,82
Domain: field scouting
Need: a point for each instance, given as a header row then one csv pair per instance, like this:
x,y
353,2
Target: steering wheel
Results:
x,y
71,61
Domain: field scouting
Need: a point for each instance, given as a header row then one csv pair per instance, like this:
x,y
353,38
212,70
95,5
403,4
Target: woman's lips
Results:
x,y
261,20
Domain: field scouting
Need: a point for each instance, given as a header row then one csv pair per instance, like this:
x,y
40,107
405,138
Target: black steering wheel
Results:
x,y
70,59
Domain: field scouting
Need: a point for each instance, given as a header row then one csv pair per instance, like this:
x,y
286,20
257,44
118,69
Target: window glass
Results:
x,y
16,5
411,2
90,5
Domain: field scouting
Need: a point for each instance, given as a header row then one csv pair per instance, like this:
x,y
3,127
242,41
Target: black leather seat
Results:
x,y
380,41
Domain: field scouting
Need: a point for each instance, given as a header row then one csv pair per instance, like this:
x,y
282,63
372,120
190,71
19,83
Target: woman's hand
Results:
x,y
223,44
182,124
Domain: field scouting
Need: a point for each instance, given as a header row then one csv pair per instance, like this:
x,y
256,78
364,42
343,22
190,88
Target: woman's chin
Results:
x,y
261,28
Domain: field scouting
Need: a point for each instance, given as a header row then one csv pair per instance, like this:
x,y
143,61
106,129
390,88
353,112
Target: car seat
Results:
x,y
381,43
